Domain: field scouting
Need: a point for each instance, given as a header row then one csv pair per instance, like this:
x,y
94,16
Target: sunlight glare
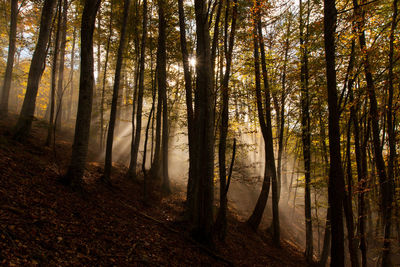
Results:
x,y
192,62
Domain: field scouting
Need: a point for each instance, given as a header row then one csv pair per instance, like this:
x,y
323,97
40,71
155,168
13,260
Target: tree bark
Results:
x,y
54,68
162,90
76,168
386,184
103,91
336,176
23,127
306,133
117,80
269,142
189,108
221,223
10,59
60,86
136,140
204,132
71,78
256,216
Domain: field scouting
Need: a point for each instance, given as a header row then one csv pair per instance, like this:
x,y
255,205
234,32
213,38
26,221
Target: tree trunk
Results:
x,y
221,223
391,122
136,141
71,78
204,132
61,89
117,79
54,67
189,108
386,185
256,216
336,176
282,112
103,90
269,142
162,90
306,134
82,127
348,202
23,127
10,59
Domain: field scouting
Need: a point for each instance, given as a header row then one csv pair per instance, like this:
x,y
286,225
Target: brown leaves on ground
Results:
x,y
45,223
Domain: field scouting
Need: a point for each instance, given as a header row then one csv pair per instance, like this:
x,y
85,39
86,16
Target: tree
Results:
x,y
306,131
204,133
266,129
336,176
136,135
162,90
10,59
23,127
54,67
60,86
189,108
386,185
76,167
221,223
111,125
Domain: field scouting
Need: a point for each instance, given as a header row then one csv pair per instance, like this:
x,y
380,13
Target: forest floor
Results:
x,y
45,223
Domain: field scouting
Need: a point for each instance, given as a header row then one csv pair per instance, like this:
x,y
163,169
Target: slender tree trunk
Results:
x,y
61,89
71,79
306,135
221,223
162,90
103,91
386,185
23,127
348,203
189,109
336,176
327,240
256,216
54,75
391,122
113,112
282,112
135,146
269,142
82,128
10,59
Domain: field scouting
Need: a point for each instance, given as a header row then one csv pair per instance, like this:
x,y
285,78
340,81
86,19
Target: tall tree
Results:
x,y
189,107
162,90
60,86
306,131
10,59
266,129
76,167
204,133
103,90
221,223
255,218
269,142
386,185
114,102
391,126
23,127
136,135
336,176
54,68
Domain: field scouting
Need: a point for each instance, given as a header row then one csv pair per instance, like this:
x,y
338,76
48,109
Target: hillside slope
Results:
x,y
45,223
